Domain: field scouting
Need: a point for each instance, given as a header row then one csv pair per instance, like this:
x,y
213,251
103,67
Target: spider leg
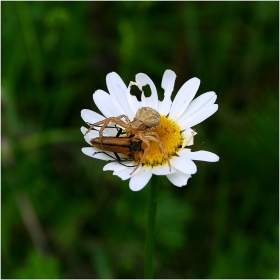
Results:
x,y
159,126
153,136
93,125
147,138
116,120
188,140
105,122
147,142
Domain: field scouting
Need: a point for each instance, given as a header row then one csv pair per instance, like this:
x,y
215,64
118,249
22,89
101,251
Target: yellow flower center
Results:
x,y
170,138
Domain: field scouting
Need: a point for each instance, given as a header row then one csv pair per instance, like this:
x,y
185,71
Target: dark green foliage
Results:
x,y
62,216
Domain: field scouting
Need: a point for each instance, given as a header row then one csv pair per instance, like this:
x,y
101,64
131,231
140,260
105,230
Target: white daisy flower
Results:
x,y
177,117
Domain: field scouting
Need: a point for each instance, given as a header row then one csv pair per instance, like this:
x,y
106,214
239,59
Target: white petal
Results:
x,y
91,117
188,136
184,164
199,117
168,81
117,90
107,105
126,173
123,174
162,170
198,103
164,106
140,180
133,102
183,98
203,156
152,101
91,134
102,156
167,84
116,166
110,131
90,151
178,179
83,129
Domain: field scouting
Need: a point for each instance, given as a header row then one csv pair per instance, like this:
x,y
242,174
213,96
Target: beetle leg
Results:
x,y
117,159
119,131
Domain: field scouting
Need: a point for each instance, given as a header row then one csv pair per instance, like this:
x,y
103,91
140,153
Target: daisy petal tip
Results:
x,y
135,187
179,179
84,113
204,156
195,79
215,158
89,151
111,74
107,168
140,180
93,95
170,74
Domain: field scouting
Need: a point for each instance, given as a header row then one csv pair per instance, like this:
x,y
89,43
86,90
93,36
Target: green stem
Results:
x,y
150,235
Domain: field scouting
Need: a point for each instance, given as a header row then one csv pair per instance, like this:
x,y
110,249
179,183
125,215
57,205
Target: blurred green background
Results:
x,y
62,216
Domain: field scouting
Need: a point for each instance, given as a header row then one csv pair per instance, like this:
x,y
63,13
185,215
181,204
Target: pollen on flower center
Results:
x,y
170,137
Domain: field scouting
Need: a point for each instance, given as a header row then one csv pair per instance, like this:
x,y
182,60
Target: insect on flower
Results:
x,y
164,127
118,145
141,128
